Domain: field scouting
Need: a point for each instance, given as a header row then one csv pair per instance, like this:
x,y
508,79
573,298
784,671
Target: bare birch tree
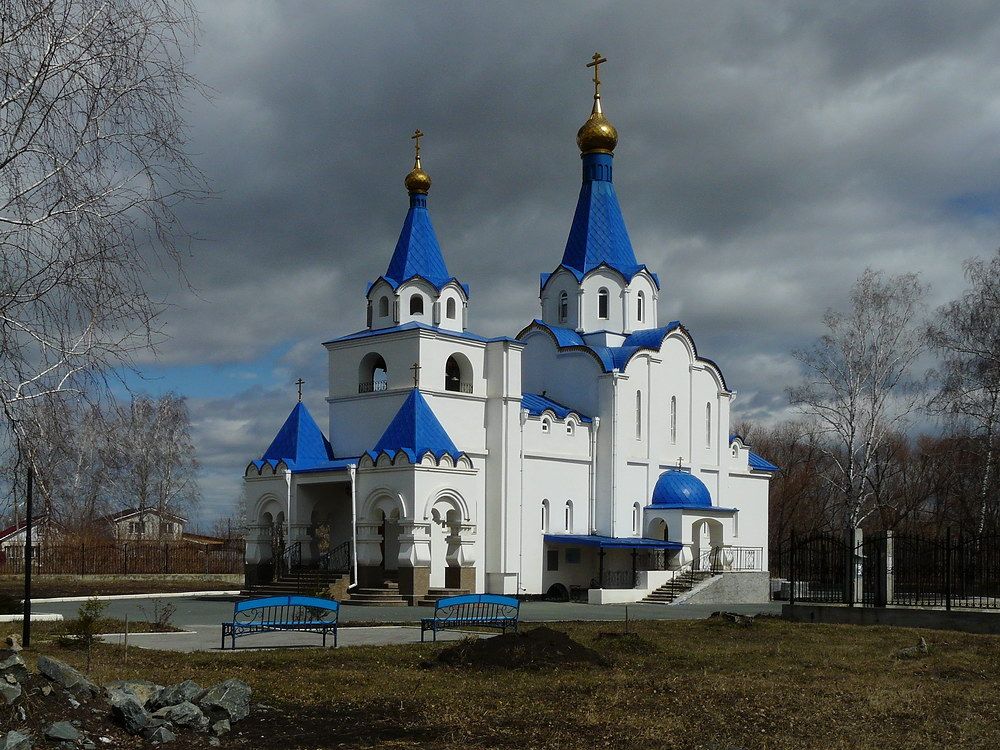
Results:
x,y
967,335
859,389
92,169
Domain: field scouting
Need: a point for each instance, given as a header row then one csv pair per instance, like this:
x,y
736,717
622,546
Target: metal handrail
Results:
x,y
337,559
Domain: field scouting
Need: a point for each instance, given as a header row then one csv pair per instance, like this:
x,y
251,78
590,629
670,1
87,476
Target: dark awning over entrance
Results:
x,y
610,542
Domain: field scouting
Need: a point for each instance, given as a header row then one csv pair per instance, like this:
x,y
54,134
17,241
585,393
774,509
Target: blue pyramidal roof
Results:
x,y
415,430
598,236
299,443
417,250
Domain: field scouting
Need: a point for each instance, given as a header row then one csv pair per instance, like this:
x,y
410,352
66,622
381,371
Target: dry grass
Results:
x,y
705,684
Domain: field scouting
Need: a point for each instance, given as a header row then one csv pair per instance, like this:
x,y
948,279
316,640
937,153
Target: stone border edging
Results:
x,y
115,597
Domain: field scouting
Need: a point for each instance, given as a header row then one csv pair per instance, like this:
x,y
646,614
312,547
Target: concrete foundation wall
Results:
x,y
934,619
733,588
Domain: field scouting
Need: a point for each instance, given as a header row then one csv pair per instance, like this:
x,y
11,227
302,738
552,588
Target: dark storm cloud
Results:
x,y
768,152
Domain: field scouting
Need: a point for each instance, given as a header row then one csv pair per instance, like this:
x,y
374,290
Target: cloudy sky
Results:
x,y
768,152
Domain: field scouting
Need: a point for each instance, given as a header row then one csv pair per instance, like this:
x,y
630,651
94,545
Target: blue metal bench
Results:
x,y
479,610
306,614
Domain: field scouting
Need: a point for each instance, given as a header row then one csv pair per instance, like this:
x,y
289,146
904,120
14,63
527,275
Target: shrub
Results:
x,y
83,631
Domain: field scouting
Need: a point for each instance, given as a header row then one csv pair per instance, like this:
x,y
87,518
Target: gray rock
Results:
x,y
214,741
63,674
221,727
62,730
12,644
227,700
189,690
184,714
160,735
88,745
15,741
128,711
10,692
11,663
142,690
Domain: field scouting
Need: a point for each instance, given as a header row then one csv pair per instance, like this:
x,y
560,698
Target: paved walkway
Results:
x,y
204,615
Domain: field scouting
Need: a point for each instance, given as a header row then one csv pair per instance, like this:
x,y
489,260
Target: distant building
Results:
x,y
135,524
43,531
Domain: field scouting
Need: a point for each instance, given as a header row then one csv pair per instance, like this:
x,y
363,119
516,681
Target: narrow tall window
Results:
x,y
383,307
708,425
636,515
545,515
638,415
673,419
602,304
640,306
450,308
417,304
563,307
569,515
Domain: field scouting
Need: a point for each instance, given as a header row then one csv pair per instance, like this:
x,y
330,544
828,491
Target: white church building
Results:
x,y
589,452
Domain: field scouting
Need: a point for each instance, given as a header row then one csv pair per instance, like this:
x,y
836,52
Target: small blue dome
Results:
x,y
676,487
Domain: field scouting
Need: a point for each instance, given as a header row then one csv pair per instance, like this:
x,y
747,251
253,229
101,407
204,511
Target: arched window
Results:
x,y
545,424
458,374
638,415
673,419
640,306
383,307
417,304
569,515
602,304
708,425
570,427
450,308
563,307
545,515
372,374
636,517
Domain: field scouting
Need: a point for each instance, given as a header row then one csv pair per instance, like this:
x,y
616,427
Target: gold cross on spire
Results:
x,y
417,135
595,64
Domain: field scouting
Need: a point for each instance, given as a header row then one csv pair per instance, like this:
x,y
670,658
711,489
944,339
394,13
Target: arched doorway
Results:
x,y
706,540
446,521
388,530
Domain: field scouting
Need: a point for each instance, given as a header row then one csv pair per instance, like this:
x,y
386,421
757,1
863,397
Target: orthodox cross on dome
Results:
x,y
680,462
416,373
417,135
300,382
595,64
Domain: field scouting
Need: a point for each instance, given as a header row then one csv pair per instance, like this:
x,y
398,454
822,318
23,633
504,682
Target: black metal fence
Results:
x,y
877,570
123,559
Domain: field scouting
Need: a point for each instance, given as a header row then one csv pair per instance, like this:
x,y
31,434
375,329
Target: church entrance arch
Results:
x,y
446,521
706,539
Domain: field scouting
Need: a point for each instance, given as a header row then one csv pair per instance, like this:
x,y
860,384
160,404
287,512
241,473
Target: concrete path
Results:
x,y
204,616
209,639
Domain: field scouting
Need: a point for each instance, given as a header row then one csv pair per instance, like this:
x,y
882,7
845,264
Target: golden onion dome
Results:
x,y
597,135
418,181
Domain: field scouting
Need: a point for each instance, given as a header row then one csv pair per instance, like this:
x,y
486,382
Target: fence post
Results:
x,y
890,581
791,570
166,558
125,558
947,571
83,558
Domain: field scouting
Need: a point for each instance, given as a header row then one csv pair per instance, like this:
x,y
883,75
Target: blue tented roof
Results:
x,y
594,540
536,403
415,430
598,236
417,252
299,443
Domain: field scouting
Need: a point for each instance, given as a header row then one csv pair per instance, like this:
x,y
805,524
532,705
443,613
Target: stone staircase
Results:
x,y
306,582
386,595
433,594
681,584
